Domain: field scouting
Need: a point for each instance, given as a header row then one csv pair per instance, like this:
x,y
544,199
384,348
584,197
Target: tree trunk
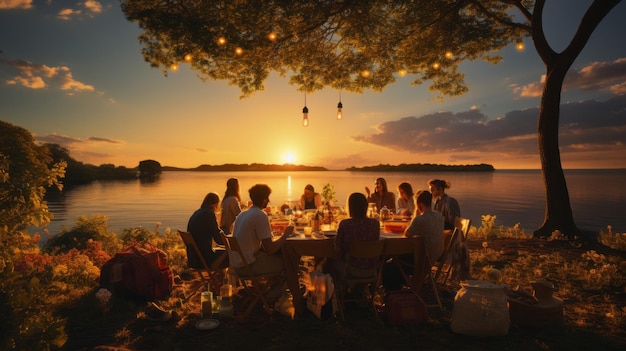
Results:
x,y
558,215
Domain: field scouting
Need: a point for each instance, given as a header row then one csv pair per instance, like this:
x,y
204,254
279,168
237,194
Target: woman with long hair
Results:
x,y
381,195
231,205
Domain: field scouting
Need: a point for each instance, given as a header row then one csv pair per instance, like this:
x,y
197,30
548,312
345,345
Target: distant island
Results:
x,y
260,167
231,167
424,167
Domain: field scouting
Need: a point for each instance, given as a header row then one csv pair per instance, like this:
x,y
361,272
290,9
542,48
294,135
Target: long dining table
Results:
x,y
319,245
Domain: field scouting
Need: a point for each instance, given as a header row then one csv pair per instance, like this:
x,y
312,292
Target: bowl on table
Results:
x,y
395,226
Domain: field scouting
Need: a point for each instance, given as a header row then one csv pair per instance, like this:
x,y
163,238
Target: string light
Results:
x,y
305,113
339,107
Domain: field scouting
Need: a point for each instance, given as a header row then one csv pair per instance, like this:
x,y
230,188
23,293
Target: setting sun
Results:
x,y
289,158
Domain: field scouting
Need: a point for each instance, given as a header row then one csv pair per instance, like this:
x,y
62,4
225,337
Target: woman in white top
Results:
x,y
406,204
231,205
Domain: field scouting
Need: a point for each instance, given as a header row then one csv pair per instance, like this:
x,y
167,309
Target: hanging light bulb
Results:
x,y
305,117
305,113
339,107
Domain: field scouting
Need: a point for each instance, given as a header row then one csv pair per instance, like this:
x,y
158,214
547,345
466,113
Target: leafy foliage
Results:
x,y
349,45
26,169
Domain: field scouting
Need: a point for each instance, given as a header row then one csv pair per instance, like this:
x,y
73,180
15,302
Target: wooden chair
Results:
x,y
216,265
255,285
455,259
396,247
443,266
370,249
464,226
421,271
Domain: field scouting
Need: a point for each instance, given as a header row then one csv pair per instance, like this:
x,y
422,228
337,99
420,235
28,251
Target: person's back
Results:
x,y
429,225
254,234
358,227
203,227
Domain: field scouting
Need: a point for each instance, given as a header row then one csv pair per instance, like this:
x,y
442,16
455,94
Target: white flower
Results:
x,y
103,295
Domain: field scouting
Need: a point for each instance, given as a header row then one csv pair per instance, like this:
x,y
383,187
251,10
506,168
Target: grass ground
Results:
x,y
594,312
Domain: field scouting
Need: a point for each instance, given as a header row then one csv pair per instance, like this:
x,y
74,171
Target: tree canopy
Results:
x,y
349,45
26,169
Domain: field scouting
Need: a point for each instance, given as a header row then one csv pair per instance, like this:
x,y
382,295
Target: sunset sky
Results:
x,y
71,72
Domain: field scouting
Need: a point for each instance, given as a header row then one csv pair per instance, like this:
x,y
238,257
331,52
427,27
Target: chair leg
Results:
x,y
435,290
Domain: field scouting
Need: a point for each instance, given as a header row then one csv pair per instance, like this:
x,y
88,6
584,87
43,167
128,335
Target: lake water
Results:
x,y
597,196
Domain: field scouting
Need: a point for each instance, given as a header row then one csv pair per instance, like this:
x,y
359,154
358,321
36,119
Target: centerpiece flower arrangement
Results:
x,y
328,195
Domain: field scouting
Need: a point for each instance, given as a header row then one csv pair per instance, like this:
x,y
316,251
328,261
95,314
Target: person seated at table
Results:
x,y
381,195
203,227
406,203
310,200
254,233
231,205
427,224
444,204
357,227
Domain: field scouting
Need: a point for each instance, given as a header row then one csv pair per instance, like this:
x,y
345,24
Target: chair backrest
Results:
x,y
463,224
399,246
189,241
366,248
232,244
421,263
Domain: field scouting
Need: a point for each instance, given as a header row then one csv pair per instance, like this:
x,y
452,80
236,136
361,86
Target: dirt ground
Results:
x,y
126,327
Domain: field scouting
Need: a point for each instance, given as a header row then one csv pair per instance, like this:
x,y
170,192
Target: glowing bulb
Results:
x,y
238,51
174,67
520,46
272,36
436,66
449,55
188,58
402,72
366,73
339,113
221,41
305,116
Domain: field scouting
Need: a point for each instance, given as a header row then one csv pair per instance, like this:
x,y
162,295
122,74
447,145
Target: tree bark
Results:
x,y
558,214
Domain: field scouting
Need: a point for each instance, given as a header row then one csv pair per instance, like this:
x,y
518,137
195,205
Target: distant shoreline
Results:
x,y
256,167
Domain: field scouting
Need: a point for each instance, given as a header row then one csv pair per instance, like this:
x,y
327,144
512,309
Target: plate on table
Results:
x,y
207,324
329,232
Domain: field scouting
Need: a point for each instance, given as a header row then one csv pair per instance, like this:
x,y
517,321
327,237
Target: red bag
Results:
x,y
138,272
404,306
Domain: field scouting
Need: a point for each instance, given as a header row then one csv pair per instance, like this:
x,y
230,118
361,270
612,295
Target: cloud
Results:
x,y
605,76
15,4
88,8
104,140
35,76
69,142
584,126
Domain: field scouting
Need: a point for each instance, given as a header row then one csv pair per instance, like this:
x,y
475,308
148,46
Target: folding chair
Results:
x,y
422,271
370,249
443,266
396,247
215,266
255,285
464,225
